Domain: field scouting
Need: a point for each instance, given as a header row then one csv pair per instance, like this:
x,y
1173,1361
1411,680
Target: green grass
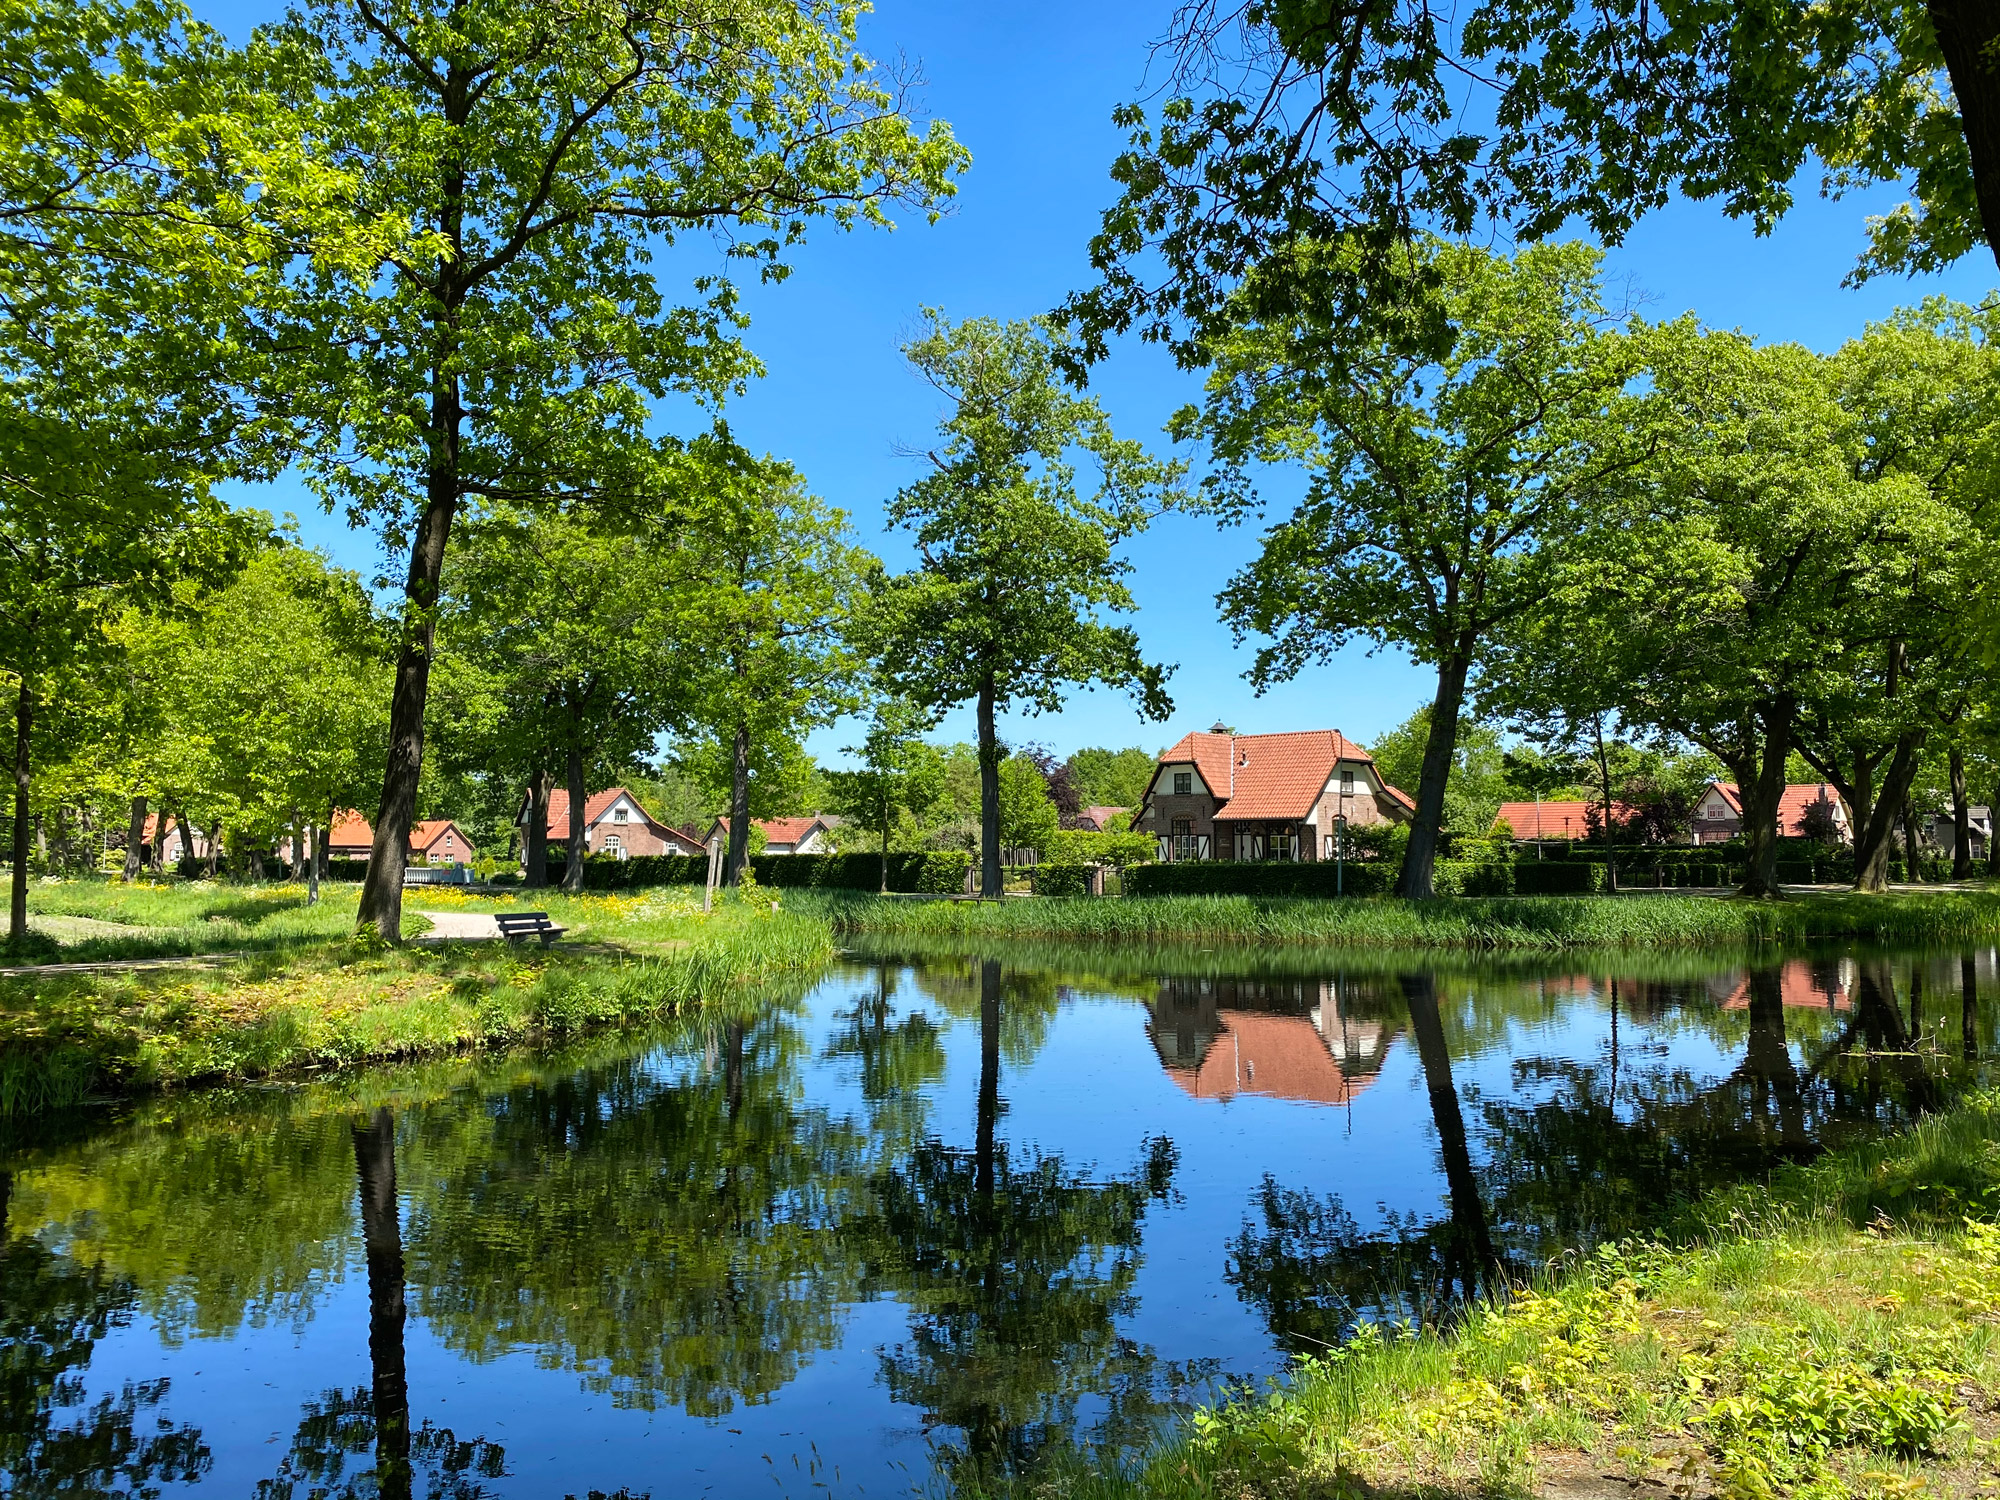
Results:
x,y
70,1037
1833,1332
95,920
1458,922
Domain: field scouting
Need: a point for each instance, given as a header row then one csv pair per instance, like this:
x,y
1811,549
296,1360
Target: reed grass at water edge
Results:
x,y
1548,922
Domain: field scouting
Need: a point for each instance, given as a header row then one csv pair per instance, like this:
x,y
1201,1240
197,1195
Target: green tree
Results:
x,y
781,582
536,162
1111,778
1371,124
1017,565
1028,818
898,773
1435,489
575,625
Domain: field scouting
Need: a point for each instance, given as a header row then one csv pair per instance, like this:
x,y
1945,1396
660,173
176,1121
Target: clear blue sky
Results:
x,y
1029,88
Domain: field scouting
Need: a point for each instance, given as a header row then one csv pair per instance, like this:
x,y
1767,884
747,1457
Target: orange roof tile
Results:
x,y
350,830
427,833
1283,1056
1792,803
1274,776
1555,820
778,830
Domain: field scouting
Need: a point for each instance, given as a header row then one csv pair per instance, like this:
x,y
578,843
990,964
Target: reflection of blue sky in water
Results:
x,y
1089,1075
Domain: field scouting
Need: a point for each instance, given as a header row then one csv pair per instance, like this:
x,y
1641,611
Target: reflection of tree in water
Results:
x,y
899,1060
53,1441
1576,1153
339,1431
1016,1270
671,1236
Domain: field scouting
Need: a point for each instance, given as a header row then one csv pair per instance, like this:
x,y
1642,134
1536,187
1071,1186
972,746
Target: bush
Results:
x,y
1558,878
1062,879
925,870
1222,878
1472,878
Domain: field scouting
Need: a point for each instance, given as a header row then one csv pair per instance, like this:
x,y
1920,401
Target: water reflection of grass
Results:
x,y
1828,1333
1636,921
65,1037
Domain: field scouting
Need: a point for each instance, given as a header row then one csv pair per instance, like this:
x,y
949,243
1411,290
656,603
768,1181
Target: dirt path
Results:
x,y
459,927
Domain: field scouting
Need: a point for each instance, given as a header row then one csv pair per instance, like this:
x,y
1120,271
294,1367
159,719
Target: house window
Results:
x,y
1285,845
621,815
614,846
1185,845
1347,783
1183,783
1329,847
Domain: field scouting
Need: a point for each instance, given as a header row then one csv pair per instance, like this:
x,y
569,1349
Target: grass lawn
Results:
x,y
1834,1333
1452,922
313,997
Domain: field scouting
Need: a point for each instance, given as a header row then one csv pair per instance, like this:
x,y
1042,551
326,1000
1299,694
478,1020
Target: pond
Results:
x,y
945,1210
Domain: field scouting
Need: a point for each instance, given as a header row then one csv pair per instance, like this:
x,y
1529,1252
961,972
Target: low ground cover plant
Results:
x,y
1835,1332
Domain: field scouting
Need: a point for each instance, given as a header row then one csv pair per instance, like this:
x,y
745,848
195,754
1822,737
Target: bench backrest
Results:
x,y
531,920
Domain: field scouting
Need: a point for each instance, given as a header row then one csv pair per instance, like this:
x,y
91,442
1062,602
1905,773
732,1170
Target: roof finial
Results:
x,y
1221,728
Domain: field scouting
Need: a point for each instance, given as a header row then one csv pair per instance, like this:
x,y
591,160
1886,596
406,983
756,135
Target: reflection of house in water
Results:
x,y
1289,1039
1803,983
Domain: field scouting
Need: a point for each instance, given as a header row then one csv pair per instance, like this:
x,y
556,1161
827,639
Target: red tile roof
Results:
x,y
1792,805
1097,817
1555,820
595,805
1277,776
1799,987
1284,1056
779,830
350,831
429,832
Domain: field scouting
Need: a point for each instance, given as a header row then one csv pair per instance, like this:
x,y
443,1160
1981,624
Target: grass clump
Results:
x,y
66,1038
1835,1332
1548,922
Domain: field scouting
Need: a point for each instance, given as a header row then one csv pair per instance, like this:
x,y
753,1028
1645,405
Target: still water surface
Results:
x,y
959,1208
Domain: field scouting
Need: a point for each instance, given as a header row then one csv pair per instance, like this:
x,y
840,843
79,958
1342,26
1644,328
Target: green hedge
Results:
x,y
1558,878
926,871
1224,878
1464,877
1062,880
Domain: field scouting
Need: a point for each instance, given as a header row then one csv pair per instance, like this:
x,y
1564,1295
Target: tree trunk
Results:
x,y
1961,820
1420,858
1760,786
1968,1007
382,889
886,810
1968,34
135,838
991,884
1610,822
535,853
739,806
315,858
1768,1059
1873,808
160,826
989,1080
1468,1209
24,731
1881,1024
1913,869
382,1243
215,848
579,830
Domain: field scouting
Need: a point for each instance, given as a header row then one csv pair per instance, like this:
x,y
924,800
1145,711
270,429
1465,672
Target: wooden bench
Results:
x,y
519,926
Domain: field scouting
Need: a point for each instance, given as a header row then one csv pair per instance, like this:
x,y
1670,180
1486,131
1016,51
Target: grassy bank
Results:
x,y
66,1038
1459,922
1834,1333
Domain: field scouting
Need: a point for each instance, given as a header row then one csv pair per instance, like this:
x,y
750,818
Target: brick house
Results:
x,y
1218,795
180,844
1718,813
1095,819
808,835
614,824
1529,821
436,841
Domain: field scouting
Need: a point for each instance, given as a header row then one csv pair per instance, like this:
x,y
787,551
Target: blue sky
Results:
x,y
1029,88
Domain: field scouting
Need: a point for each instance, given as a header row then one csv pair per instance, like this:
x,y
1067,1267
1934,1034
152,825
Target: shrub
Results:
x,y
1222,878
925,870
1472,878
1558,878
1062,880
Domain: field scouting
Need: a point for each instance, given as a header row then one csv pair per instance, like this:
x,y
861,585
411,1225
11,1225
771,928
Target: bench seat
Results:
x,y
519,926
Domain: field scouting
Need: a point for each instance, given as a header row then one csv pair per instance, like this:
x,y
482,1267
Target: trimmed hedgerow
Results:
x,y
1558,878
933,872
1062,880
1221,878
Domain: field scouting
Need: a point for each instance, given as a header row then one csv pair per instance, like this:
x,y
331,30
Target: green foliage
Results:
x,y
924,871
1079,847
1058,879
1225,878
1111,778
1558,878
1027,815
